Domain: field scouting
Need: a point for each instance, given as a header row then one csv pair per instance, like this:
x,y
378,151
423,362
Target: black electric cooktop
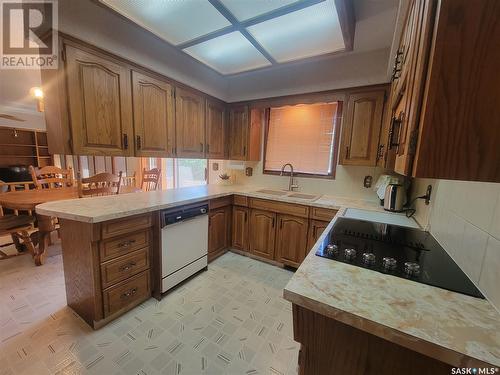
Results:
x,y
403,252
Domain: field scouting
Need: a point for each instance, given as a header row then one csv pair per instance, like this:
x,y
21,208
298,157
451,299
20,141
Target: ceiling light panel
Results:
x,y
304,33
228,54
246,9
175,21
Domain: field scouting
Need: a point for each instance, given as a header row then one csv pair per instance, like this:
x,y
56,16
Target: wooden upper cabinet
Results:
x,y
153,105
291,242
216,130
245,130
189,124
100,105
262,237
238,133
240,228
361,128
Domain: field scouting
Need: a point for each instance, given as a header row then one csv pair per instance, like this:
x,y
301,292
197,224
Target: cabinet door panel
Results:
x,y
218,230
291,240
238,133
189,124
240,228
216,130
153,116
361,130
99,104
262,233
316,228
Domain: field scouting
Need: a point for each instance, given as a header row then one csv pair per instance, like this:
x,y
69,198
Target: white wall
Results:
x,y
349,70
465,218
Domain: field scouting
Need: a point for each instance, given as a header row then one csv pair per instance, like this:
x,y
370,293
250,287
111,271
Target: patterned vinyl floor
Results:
x,y
230,319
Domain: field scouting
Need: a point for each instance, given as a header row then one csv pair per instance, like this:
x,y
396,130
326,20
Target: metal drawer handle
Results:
x,y
126,243
127,266
129,293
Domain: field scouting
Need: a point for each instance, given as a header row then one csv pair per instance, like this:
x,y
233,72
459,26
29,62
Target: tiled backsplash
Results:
x,y
465,218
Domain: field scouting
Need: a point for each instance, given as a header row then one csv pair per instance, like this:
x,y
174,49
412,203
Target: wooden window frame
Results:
x,y
336,140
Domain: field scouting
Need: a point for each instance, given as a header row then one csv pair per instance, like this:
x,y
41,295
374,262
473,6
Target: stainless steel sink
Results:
x,y
303,196
273,192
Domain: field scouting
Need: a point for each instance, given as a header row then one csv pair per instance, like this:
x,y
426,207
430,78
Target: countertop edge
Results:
x,y
393,335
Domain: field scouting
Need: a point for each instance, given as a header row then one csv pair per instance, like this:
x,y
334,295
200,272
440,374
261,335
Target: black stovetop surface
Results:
x,y
404,244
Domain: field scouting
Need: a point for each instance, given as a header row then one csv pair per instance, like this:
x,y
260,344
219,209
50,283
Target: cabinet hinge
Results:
x,y
412,147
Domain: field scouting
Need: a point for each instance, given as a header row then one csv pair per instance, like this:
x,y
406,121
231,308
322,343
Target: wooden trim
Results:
x,y
308,97
256,257
347,20
292,209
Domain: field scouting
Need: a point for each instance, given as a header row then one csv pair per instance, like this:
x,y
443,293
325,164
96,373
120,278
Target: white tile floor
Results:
x,y
228,320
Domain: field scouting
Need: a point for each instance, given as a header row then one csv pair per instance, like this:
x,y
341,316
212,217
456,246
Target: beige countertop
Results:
x,y
98,209
452,327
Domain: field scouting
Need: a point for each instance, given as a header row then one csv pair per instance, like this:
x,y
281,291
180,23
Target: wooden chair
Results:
x,y
99,184
150,179
129,180
51,177
17,227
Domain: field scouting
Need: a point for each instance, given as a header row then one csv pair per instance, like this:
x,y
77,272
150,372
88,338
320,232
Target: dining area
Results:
x,y
30,232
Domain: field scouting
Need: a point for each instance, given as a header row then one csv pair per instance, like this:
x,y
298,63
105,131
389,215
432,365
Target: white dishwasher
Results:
x,y
184,243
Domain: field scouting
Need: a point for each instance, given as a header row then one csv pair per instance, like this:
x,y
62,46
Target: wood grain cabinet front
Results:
x,y
291,240
216,130
189,124
219,229
123,267
115,247
154,116
100,104
262,233
239,238
361,129
316,228
127,293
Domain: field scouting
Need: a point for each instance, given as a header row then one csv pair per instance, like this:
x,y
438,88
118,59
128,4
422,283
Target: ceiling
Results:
x,y
234,36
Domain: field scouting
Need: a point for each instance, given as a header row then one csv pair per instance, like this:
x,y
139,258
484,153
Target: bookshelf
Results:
x,y
24,147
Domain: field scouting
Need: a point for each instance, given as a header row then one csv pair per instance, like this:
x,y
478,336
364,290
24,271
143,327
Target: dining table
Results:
x,y
27,200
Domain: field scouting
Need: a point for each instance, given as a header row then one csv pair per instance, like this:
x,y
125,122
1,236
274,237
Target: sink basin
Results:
x,y
272,192
303,196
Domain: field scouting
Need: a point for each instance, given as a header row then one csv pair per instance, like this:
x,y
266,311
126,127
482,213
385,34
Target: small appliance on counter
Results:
x,y
394,197
403,252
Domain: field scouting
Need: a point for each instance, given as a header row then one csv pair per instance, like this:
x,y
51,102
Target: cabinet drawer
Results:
x,y
111,249
126,225
127,293
323,214
279,207
124,267
240,200
220,202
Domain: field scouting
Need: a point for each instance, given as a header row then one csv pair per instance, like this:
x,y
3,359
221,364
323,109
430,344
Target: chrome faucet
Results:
x,y
291,185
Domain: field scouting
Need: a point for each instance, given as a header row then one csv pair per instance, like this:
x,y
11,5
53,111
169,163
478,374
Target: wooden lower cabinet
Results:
x,y
332,347
291,240
219,229
262,233
316,228
107,266
240,228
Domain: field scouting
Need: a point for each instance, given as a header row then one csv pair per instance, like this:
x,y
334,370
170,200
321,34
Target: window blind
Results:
x,y
302,135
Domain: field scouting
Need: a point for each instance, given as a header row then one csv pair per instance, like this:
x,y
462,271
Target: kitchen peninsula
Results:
x,y
429,327
111,244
